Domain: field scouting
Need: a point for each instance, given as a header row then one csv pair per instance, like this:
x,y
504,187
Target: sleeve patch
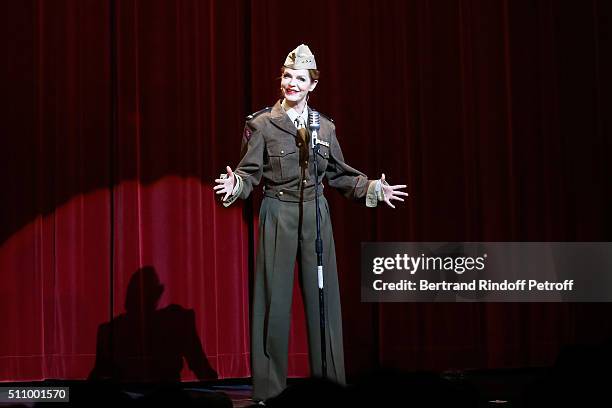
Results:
x,y
247,133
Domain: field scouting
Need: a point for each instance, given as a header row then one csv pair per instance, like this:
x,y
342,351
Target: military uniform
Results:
x,y
273,150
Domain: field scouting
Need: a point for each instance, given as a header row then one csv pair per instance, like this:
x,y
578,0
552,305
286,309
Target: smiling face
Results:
x,y
295,85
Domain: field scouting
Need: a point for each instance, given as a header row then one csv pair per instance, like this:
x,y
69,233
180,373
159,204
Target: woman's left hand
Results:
x,y
392,192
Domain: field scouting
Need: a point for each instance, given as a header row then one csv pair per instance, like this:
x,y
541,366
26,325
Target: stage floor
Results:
x,y
487,388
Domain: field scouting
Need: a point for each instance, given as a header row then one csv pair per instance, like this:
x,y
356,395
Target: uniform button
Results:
x,y
304,181
299,145
282,152
280,193
306,161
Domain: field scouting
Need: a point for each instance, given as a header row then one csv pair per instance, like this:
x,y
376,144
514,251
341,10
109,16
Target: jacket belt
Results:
x,y
294,196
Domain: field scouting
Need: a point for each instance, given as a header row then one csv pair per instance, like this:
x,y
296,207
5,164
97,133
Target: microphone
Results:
x,y
314,124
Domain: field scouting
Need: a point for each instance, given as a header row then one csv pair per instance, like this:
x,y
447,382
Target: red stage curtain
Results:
x,y
118,115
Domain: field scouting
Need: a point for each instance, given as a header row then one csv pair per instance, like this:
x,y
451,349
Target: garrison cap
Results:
x,y
301,58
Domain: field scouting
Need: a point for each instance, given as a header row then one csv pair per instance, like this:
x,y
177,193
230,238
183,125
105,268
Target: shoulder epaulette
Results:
x,y
326,117
254,115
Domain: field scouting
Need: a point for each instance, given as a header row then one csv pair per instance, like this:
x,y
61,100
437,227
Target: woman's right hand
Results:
x,y
225,185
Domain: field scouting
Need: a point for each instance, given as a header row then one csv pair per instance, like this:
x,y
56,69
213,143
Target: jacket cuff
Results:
x,y
371,196
375,193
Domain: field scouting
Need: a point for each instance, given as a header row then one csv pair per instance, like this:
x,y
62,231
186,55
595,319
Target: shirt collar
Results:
x,y
293,115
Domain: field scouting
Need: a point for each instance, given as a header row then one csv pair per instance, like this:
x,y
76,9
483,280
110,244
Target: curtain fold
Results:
x,y
118,115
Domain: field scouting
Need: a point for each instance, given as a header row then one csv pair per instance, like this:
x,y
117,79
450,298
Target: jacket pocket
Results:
x,y
322,158
284,161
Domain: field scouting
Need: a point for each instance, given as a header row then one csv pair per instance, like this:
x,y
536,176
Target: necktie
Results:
x,y
299,124
303,137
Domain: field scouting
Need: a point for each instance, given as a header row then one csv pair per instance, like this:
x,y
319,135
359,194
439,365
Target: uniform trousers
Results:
x,y
287,233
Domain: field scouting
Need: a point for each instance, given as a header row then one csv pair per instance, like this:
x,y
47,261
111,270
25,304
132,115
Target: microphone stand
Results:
x,y
314,129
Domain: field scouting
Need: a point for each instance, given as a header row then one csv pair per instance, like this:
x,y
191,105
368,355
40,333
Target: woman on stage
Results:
x,y
276,147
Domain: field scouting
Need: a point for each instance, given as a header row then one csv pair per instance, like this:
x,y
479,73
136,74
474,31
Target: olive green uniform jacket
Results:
x,y
273,151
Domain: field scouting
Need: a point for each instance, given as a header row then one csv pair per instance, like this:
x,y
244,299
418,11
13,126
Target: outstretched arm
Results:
x,y
239,183
354,184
